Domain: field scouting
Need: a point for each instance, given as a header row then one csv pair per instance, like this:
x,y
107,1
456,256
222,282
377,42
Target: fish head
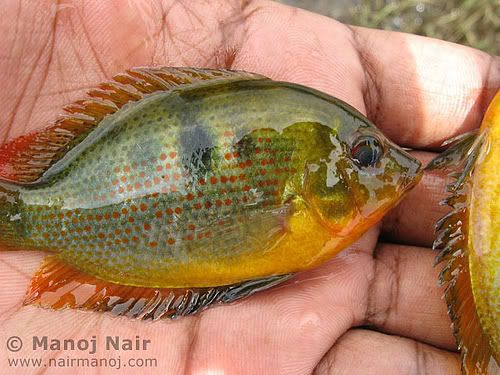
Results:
x,y
360,177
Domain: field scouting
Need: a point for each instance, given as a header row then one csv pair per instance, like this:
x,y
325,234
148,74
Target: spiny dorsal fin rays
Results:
x,y
457,151
25,159
452,239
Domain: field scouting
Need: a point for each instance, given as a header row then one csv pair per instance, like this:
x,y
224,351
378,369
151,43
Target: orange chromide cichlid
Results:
x,y
470,237
170,189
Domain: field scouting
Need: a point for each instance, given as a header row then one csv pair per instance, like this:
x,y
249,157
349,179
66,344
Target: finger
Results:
x,y
53,53
299,320
436,100
421,91
16,270
404,298
361,351
413,220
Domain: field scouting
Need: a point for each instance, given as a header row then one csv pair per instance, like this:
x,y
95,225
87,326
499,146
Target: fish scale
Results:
x,y
207,184
162,194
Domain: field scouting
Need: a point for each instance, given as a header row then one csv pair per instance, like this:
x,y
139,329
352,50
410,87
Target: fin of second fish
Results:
x,y
58,286
25,159
473,344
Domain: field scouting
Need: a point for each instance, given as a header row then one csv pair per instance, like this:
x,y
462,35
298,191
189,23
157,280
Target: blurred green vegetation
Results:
x,y
475,23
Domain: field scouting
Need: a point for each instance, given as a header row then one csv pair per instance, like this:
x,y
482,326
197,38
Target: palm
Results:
x,y
56,54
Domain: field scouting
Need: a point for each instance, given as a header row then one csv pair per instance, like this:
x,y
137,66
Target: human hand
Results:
x,y
375,308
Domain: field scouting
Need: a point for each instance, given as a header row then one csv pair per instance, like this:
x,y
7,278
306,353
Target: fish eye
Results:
x,y
367,151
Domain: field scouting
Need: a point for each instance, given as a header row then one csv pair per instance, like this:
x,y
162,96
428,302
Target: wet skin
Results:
x,y
308,325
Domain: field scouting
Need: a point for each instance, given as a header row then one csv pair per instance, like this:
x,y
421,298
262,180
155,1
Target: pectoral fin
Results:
x,y
57,286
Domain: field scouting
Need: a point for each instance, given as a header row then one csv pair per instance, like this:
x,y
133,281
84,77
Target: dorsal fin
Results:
x,y
475,350
25,159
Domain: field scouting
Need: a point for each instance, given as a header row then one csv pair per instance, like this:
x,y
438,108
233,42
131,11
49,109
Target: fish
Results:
x,y
168,190
468,237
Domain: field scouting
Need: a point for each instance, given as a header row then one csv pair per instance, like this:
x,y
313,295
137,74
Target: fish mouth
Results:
x,y
412,170
411,176
408,182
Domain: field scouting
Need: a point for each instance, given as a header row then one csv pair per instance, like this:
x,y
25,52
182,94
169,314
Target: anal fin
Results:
x,y
58,285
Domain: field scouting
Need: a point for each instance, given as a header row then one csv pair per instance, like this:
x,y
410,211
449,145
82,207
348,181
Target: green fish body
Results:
x,y
184,178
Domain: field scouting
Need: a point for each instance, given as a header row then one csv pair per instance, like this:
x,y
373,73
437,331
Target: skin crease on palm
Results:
x,y
375,308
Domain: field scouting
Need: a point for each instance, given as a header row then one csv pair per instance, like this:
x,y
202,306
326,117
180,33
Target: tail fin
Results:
x,y
10,218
